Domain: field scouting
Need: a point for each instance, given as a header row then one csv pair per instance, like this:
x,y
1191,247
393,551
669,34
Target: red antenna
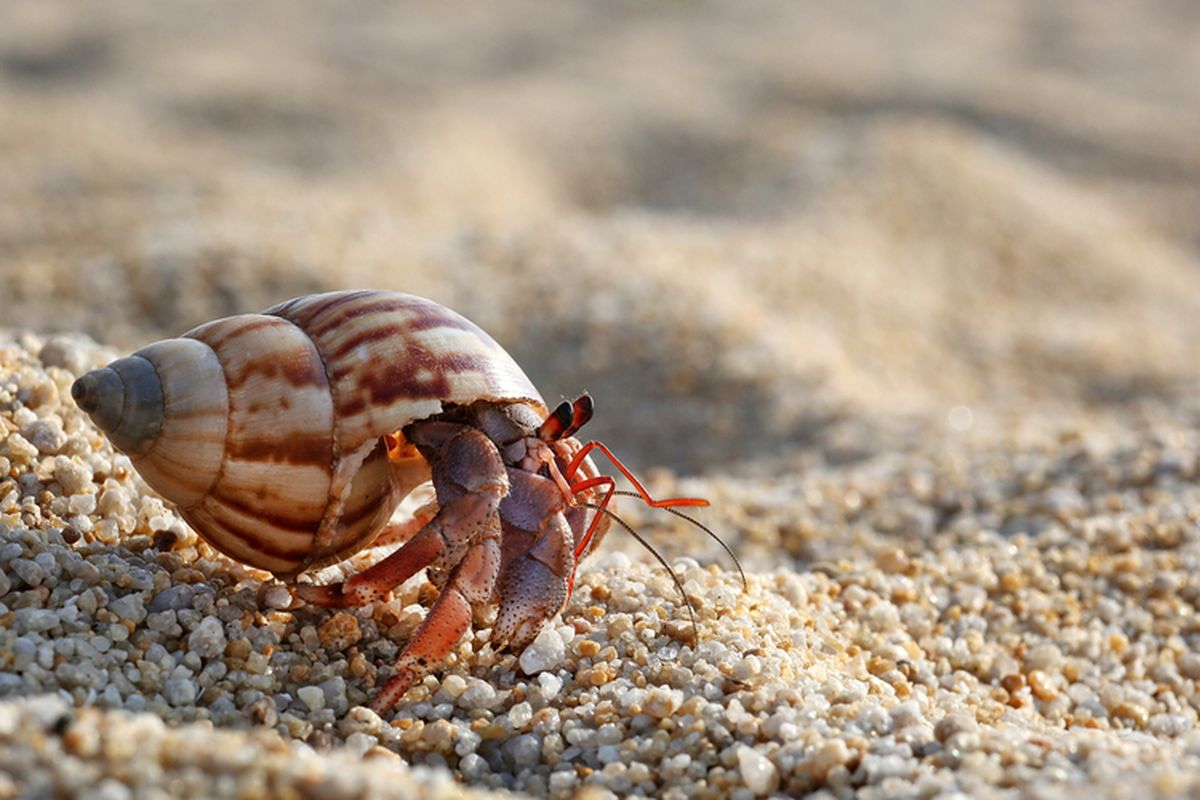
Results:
x,y
611,484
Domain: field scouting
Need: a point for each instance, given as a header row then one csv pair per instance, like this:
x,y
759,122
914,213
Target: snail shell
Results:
x,y
267,430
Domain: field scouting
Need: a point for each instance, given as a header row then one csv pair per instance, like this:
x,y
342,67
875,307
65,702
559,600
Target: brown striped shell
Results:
x,y
266,430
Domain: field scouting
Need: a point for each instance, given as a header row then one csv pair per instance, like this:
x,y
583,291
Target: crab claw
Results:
x,y
533,584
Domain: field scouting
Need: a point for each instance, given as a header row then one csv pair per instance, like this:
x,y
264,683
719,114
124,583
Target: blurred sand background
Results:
x,y
735,224
768,237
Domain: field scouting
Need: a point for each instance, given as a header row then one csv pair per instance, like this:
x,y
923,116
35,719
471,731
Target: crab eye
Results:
x,y
557,423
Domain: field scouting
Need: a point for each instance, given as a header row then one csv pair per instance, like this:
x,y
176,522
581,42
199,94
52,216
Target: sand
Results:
x,y
910,298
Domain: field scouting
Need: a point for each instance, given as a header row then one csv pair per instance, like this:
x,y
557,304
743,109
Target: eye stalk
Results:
x,y
567,419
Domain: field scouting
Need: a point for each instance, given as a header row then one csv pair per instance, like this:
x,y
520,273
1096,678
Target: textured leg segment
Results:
x,y
538,560
471,582
470,481
380,579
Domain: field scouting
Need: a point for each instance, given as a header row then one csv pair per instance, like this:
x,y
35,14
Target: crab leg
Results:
x,y
470,480
471,582
538,559
420,548
402,532
376,581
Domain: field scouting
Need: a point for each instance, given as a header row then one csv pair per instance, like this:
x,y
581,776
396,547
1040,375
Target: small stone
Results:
x,y
1044,656
562,781
46,435
64,353
454,685
173,598
524,750
1189,665
747,668
207,640
830,755
277,597
20,449
550,684
80,504
111,789
478,694
75,476
954,723
758,772
335,694
472,766
339,631
179,691
24,652
1133,713
520,715
906,714
130,607
543,653
1041,685
662,702
263,712
359,743
311,696
35,620
28,571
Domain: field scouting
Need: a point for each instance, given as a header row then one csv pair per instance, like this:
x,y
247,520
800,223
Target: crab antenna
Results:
x,y
678,584
695,502
702,527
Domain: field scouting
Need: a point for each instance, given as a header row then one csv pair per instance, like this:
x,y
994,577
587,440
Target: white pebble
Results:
x,y
34,619
545,652
478,694
562,781
472,766
759,774
520,715
311,696
110,789
20,449
75,476
81,504
359,743
551,684
130,607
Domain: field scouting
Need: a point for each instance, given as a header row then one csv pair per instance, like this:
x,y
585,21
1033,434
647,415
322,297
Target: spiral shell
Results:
x,y
266,430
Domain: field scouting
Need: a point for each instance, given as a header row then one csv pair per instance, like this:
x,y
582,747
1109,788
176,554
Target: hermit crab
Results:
x,y
288,438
